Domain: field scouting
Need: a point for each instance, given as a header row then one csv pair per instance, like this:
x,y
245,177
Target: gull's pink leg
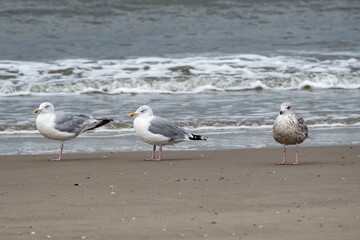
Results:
x,y
160,153
154,153
61,151
284,162
296,156
153,157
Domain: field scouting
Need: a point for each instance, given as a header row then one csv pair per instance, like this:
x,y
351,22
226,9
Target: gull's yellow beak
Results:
x,y
134,114
37,110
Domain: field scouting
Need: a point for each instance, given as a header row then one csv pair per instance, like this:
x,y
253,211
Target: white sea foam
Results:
x,y
177,75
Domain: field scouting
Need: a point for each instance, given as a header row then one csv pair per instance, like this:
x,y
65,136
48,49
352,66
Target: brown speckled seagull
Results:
x,y
289,129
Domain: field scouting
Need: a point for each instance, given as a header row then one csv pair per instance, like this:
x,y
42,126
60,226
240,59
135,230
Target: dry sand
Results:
x,y
233,194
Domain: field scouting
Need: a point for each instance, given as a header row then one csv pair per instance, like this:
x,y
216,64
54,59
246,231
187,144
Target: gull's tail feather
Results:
x,y
197,137
100,122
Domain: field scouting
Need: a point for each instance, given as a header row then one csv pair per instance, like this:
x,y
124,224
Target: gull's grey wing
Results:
x,y
72,123
302,126
168,129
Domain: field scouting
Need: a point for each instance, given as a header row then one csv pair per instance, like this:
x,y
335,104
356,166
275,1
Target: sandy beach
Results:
x,y
229,194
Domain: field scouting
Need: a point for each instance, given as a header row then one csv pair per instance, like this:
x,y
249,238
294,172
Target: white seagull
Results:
x,y
289,129
64,126
159,131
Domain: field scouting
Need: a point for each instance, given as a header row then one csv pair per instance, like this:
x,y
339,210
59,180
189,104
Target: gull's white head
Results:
x,y
45,107
285,108
143,111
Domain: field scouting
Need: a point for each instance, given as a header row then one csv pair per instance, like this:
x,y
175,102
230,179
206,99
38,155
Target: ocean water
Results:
x,y
218,68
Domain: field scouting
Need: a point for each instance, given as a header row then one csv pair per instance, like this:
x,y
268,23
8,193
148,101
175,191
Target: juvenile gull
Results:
x,y
64,126
159,131
289,129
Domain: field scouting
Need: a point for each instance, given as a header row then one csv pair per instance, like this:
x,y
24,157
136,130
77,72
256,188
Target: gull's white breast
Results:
x,y
45,124
141,126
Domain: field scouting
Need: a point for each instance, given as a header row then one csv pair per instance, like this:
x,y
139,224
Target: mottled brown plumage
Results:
x,y
289,129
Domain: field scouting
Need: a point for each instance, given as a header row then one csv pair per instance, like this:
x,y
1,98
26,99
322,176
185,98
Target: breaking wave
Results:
x,y
178,75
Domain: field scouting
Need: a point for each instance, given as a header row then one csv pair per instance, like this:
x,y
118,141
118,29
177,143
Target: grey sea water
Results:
x,y
220,68
113,29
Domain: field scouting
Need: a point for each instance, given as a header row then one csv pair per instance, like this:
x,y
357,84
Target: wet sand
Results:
x,y
230,194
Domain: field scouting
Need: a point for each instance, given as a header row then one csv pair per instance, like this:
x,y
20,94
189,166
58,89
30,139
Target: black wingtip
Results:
x,y
198,137
101,122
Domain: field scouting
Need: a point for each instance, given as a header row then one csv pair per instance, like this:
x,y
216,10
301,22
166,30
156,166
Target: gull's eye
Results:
x,y
143,111
47,106
288,107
